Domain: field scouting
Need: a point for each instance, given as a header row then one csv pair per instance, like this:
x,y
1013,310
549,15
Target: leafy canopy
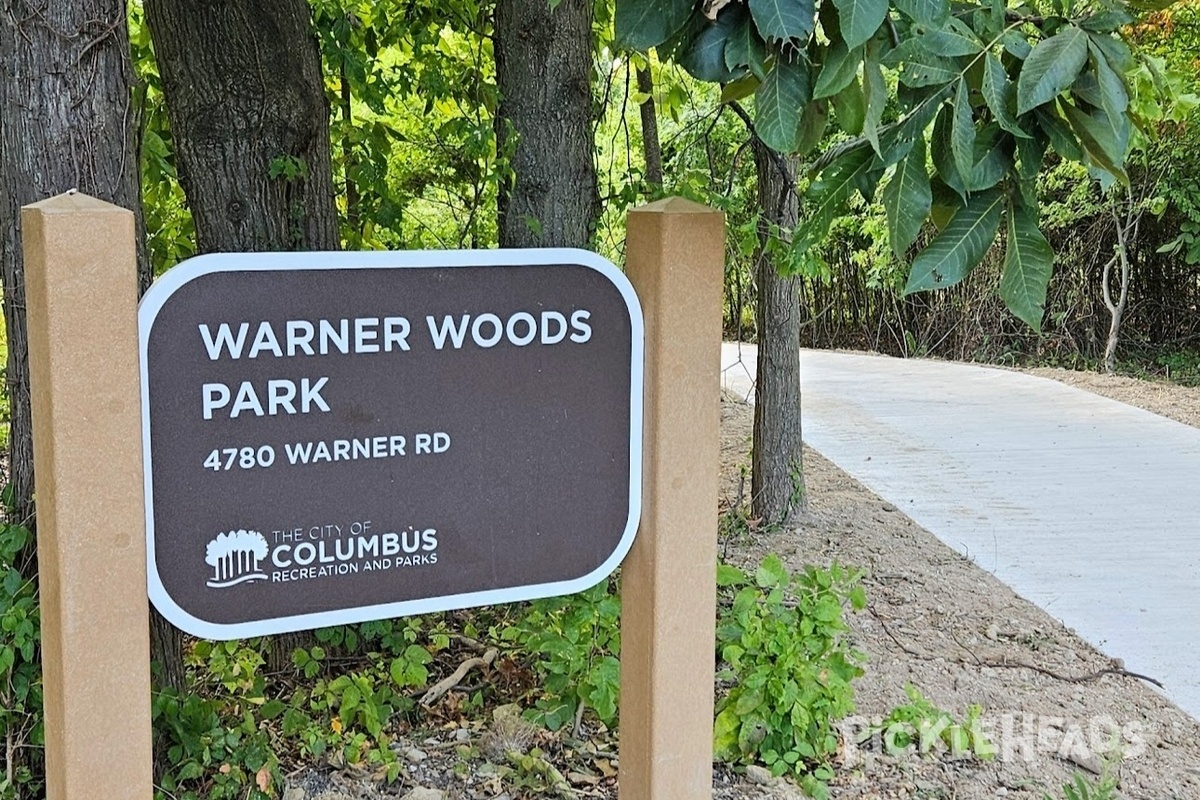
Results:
x,y
981,91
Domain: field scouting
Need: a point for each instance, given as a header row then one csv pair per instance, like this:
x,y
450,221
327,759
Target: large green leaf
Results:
x,y
997,91
746,48
955,40
993,158
779,103
1114,97
876,94
642,24
838,69
704,58
926,12
828,195
850,107
1105,140
1051,68
941,151
784,19
1027,266
908,199
922,68
961,246
812,126
860,19
962,131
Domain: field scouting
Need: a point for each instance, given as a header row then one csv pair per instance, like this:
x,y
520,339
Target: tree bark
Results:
x,y
777,477
66,122
650,141
250,125
543,71
249,121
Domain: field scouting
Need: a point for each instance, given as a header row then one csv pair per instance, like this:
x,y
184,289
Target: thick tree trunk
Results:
x,y
543,70
777,477
249,121
650,141
66,122
250,125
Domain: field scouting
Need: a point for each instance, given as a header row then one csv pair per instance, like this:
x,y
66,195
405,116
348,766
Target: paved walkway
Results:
x,y
1088,507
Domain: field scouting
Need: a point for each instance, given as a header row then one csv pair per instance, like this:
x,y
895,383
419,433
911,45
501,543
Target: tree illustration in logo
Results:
x,y
235,558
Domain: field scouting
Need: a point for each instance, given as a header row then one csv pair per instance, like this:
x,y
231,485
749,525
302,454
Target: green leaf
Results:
x,y
771,573
860,19
941,147
704,59
1051,68
779,103
1061,138
838,69
875,94
951,43
740,89
926,12
746,48
784,19
921,68
1105,140
729,575
962,131
997,91
812,126
961,246
642,24
1106,21
908,199
1114,97
827,196
850,108
1028,263
993,159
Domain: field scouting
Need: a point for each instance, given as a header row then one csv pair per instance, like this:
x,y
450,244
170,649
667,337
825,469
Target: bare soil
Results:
x,y
1051,704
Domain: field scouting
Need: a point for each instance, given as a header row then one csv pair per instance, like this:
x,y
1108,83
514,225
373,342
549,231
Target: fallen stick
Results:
x,y
440,688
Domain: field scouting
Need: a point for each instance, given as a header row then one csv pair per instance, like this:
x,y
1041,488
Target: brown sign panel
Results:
x,y
338,437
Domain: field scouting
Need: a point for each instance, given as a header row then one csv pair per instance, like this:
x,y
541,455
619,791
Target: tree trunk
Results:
x,y
777,477
66,122
650,142
249,121
250,125
543,71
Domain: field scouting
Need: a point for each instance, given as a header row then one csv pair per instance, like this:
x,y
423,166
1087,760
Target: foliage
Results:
x,y
1001,87
20,667
1102,788
576,641
781,639
922,725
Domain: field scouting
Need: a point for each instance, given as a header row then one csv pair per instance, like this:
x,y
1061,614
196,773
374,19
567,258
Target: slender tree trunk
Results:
x,y
250,125
777,477
66,122
249,121
543,71
650,142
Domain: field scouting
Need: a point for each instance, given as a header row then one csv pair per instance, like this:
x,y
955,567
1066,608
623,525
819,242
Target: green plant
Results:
x,y
578,640
20,668
920,724
1102,788
782,641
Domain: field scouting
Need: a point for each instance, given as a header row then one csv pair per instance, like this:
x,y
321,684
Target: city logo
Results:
x,y
236,557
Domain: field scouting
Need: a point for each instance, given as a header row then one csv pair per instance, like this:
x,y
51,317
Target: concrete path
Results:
x,y
1088,507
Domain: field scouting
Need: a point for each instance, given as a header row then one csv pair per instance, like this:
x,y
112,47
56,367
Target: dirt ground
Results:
x,y
937,622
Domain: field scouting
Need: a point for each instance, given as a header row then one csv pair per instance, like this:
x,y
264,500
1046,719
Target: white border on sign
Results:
x,y
162,290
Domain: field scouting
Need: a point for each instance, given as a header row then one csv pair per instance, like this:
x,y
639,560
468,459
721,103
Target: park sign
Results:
x,y
333,438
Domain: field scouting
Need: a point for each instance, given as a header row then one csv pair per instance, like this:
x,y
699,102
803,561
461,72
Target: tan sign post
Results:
x,y
675,259
81,292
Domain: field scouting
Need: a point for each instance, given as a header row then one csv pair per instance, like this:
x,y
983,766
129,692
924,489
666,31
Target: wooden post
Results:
x,y
675,259
81,290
